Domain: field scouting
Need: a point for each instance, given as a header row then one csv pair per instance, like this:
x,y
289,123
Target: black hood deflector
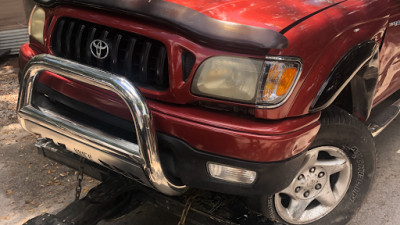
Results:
x,y
203,29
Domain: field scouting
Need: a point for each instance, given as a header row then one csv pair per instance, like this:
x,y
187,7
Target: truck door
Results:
x,y
389,79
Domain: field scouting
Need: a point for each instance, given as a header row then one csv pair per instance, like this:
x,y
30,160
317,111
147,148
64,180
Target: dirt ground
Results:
x,y
31,185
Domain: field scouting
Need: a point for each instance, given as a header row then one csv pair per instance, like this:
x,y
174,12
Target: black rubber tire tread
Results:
x,y
336,124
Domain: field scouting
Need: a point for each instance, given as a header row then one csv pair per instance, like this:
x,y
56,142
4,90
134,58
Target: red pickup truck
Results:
x,y
254,98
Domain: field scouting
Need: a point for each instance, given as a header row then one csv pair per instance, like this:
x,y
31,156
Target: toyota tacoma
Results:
x,y
266,99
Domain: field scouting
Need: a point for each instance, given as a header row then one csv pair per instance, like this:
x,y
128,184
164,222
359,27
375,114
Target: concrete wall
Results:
x,y
14,17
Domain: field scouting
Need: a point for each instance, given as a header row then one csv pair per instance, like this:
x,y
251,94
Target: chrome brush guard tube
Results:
x,y
88,142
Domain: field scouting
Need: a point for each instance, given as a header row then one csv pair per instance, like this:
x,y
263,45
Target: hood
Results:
x,y
241,25
270,14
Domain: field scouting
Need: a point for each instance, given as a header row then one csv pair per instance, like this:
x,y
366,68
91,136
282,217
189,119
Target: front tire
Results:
x,y
334,179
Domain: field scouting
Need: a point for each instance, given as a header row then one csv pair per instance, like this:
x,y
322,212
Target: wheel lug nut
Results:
x,y
301,177
312,169
321,174
297,189
318,186
306,194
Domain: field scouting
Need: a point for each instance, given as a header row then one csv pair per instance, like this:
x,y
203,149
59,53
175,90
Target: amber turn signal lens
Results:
x,y
279,81
286,82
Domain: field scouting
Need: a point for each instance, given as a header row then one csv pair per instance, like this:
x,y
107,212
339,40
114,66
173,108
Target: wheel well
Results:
x,y
351,84
345,100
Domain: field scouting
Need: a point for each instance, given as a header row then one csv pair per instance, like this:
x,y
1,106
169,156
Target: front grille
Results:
x,y
140,59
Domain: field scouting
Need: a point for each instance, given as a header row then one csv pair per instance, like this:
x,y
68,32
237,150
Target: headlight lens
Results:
x,y
263,82
36,24
230,78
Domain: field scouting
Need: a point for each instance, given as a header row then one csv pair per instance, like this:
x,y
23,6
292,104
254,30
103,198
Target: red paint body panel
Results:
x,y
353,22
235,144
25,54
389,79
275,15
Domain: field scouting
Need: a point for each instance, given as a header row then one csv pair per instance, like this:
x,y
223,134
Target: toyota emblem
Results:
x,y
99,49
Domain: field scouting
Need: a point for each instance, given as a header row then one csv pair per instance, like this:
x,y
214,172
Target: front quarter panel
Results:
x,y
321,41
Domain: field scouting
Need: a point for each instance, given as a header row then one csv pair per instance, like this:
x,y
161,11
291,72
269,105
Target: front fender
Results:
x,y
323,40
359,67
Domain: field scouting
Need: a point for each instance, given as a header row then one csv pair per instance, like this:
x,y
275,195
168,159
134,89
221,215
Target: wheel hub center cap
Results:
x,y
310,182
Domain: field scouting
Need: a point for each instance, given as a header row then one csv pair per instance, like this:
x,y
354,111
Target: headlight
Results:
x,y
263,82
36,24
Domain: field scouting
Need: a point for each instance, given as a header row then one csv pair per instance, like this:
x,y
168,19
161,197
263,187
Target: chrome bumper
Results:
x,y
123,156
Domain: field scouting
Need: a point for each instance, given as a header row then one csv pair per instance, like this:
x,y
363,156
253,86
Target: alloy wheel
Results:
x,y
318,188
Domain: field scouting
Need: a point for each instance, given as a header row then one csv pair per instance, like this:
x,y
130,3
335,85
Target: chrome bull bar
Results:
x,y
91,143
